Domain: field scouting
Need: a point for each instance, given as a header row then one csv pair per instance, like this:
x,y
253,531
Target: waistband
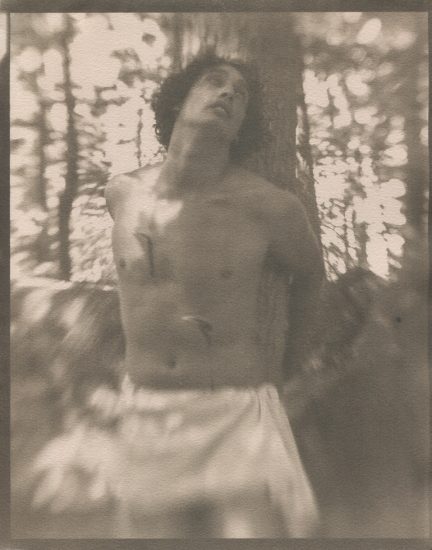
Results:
x,y
138,398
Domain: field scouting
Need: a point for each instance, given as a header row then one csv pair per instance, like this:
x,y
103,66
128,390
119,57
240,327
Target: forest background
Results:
x,y
80,113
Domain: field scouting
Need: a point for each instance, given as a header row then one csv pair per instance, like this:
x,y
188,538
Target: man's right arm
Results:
x,y
113,192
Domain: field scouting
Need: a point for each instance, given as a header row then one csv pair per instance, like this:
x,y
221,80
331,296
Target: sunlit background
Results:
x,y
366,85
80,113
365,80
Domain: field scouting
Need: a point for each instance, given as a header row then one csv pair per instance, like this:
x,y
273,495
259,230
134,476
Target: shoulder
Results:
x,y
272,201
126,181
121,186
285,207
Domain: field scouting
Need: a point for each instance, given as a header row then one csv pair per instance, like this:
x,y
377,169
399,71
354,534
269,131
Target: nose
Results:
x,y
227,91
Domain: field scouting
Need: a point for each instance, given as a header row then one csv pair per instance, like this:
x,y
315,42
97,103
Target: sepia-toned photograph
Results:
x,y
219,275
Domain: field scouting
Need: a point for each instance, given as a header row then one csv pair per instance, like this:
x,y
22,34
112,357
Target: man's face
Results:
x,y
219,97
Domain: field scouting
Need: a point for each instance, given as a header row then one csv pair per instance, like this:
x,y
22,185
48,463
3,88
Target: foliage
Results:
x,y
108,110
359,101
89,78
360,421
362,72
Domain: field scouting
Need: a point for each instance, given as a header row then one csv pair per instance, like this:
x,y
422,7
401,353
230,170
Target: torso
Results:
x,y
189,270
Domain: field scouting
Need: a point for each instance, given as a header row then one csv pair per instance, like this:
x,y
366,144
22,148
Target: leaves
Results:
x,y
101,104
72,470
355,85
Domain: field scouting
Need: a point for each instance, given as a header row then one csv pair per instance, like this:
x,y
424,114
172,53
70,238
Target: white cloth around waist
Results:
x,y
184,446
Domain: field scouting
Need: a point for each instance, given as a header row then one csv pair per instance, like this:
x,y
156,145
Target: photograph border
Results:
x,y
40,6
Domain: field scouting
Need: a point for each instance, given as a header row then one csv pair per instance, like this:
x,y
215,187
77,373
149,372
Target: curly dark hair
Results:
x,y
167,101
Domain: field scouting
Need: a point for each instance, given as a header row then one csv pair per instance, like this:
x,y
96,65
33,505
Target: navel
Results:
x,y
122,263
172,363
226,273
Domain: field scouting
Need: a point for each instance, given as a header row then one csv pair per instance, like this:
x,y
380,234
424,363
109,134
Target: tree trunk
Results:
x,y
361,236
304,167
414,261
268,40
71,177
42,242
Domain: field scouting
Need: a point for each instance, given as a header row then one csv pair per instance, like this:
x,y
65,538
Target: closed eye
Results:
x,y
218,78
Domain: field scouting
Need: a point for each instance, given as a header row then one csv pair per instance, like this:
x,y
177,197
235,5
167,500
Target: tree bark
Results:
x,y
42,242
414,263
268,40
72,148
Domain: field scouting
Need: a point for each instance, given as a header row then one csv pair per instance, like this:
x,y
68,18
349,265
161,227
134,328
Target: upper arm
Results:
x,y
113,192
293,241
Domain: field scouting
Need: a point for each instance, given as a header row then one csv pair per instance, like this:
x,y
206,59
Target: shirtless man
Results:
x,y
190,239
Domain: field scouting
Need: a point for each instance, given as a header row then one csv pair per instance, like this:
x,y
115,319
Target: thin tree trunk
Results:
x,y
416,188
175,27
138,139
43,140
42,244
414,259
71,177
361,236
345,239
305,172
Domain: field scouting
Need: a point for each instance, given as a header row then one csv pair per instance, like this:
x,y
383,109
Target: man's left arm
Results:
x,y
296,247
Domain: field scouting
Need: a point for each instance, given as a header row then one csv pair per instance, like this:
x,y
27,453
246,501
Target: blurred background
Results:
x,y
347,108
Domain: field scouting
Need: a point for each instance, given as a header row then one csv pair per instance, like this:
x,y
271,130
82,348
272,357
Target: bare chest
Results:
x,y
190,240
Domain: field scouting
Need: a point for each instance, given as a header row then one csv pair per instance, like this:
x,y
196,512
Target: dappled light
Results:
x,y
80,113
356,104
113,86
110,58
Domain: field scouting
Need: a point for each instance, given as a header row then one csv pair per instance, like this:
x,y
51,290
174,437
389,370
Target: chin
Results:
x,y
216,126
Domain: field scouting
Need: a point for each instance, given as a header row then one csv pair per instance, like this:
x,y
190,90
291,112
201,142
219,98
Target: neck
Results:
x,y
195,159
